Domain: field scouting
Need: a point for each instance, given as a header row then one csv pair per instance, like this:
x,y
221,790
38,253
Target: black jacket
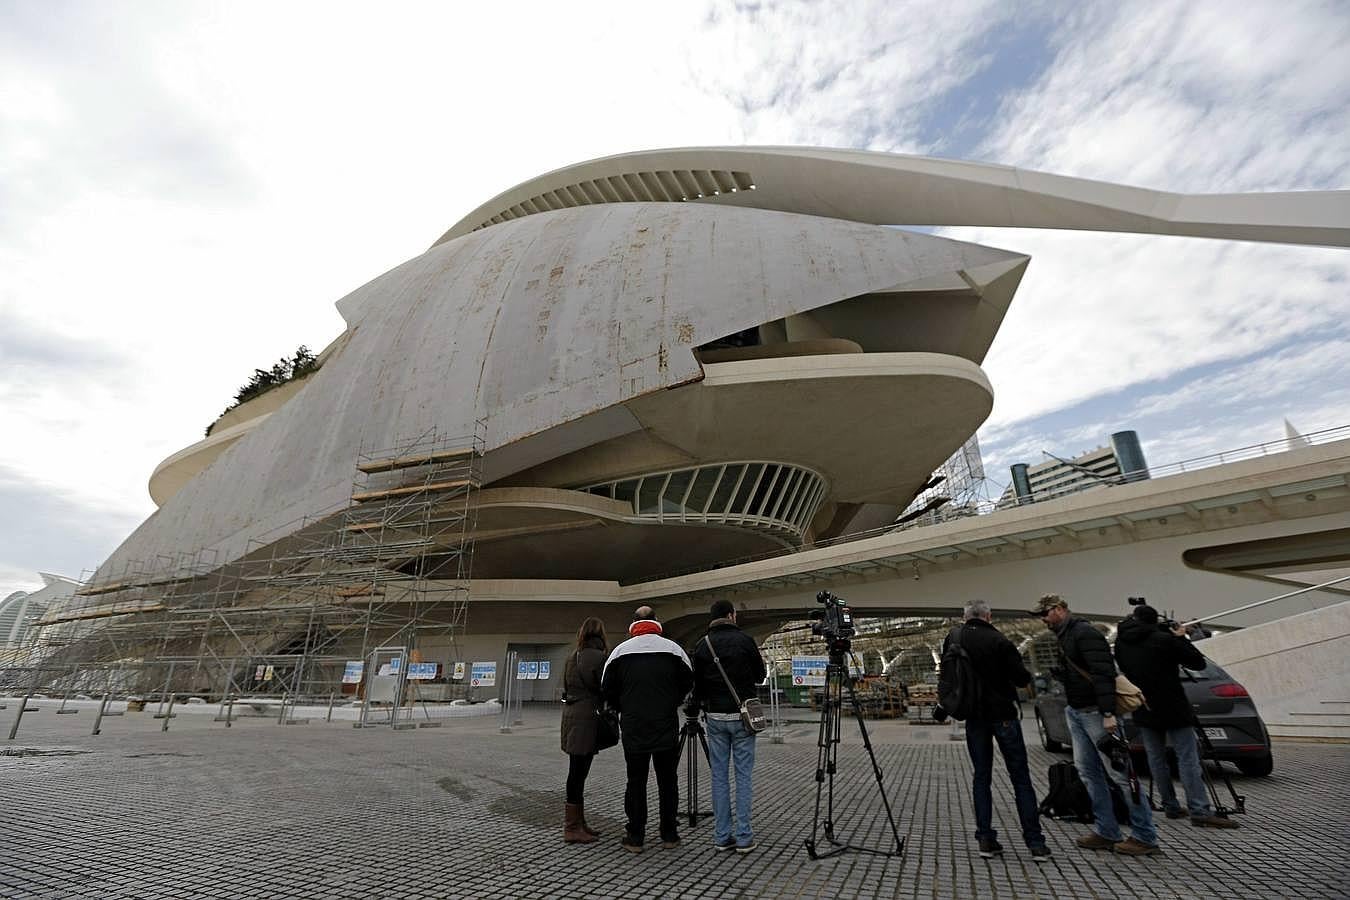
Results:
x,y
1086,647
1149,656
740,657
646,679
999,667
581,685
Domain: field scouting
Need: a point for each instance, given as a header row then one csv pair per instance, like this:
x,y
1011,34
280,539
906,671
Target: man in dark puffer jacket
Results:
x,y
1089,675
646,679
1149,655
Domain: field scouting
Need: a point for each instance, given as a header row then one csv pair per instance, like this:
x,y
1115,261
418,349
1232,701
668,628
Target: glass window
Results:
x,y
786,494
625,491
704,479
763,491
675,488
649,494
742,495
722,496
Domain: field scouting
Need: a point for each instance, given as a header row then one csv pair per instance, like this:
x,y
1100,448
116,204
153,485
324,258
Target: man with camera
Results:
x,y
646,679
1149,652
727,666
1089,676
999,672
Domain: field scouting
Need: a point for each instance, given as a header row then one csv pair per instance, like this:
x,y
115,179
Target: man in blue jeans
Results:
x,y
1089,676
999,670
1149,654
728,668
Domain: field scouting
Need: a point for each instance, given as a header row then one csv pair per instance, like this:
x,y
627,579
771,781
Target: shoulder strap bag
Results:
x,y
1128,696
752,711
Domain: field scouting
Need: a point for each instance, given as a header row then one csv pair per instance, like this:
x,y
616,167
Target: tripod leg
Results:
x,y
822,760
876,769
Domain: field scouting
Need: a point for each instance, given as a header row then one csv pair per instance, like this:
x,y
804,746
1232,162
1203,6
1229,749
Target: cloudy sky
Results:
x,y
186,189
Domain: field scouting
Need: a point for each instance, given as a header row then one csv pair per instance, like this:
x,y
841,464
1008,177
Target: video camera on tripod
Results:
x,y
834,623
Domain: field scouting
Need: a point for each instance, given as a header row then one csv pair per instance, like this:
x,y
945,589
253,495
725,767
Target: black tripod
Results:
x,y
1206,751
692,728
827,752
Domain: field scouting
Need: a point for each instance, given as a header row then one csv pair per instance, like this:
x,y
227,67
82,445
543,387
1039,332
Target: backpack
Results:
x,y
1068,797
958,684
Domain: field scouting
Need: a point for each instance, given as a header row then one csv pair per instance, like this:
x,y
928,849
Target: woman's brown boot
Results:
x,y
581,808
573,833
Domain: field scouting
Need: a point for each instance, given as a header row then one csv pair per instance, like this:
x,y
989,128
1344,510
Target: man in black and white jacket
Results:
x,y
646,679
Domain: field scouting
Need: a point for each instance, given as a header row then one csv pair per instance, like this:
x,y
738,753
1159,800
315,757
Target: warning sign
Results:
x,y
483,674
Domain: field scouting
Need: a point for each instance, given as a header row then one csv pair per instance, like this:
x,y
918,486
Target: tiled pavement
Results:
x,y
261,810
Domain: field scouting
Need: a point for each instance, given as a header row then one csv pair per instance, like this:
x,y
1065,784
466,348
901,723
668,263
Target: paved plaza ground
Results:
x,y
329,811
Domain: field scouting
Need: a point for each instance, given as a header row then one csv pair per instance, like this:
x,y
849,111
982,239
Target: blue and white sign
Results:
x,y
809,671
856,667
395,665
532,670
423,671
522,670
352,672
483,674
543,669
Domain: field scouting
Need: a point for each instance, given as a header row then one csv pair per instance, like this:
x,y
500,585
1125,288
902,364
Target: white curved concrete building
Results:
x,y
682,357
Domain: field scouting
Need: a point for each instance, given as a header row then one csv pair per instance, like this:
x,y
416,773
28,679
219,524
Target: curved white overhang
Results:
x,y
181,467
894,189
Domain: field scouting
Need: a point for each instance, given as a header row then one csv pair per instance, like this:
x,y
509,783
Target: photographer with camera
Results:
x,y
646,679
727,666
1089,676
1149,651
991,715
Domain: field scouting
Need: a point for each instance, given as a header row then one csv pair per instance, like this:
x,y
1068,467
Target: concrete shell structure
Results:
x,y
682,357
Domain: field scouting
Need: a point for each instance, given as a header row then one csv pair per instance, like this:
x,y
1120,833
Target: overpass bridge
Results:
x,y
1198,543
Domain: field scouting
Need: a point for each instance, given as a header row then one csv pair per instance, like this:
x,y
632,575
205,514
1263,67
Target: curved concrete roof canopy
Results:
x,y
893,189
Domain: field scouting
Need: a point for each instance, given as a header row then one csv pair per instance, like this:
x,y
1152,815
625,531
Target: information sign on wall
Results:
x,y
353,671
532,670
423,671
809,671
483,674
458,672
268,673
543,669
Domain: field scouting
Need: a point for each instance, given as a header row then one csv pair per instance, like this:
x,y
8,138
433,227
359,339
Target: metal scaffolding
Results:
x,y
286,621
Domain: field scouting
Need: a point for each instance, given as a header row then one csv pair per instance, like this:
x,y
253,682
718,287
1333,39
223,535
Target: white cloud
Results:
x,y
187,188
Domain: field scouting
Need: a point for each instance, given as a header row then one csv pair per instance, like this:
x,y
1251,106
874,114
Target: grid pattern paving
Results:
x,y
327,811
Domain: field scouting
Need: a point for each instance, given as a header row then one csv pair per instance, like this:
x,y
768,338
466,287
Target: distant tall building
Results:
x,y
21,609
1121,461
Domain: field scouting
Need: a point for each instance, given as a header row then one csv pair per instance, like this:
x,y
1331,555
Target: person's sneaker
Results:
x,y
989,848
1094,841
1177,813
632,846
670,842
1213,821
1132,847
745,848
1040,854
728,844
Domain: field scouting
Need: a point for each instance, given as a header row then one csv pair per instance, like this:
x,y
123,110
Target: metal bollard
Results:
x,y
98,719
168,715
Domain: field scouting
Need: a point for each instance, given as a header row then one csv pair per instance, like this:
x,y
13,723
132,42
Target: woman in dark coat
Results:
x,y
581,689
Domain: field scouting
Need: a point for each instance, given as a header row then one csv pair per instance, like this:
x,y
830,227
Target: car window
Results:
x,y
1210,672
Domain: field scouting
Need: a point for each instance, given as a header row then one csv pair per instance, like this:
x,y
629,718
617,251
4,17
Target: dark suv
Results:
x,y
1225,710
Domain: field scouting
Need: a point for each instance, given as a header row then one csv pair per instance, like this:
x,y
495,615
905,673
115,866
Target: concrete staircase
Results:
x,y
1330,720
1297,669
